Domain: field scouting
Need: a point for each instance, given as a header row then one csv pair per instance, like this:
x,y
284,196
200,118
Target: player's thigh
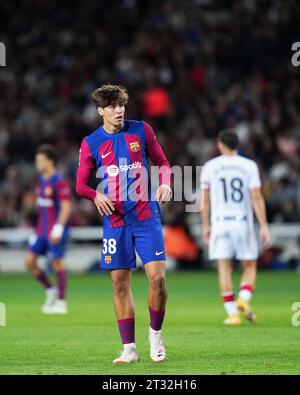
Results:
x,y
221,245
149,241
37,245
57,264
121,279
156,271
117,249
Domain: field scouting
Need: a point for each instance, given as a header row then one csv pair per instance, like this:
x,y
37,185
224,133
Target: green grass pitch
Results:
x,y
86,340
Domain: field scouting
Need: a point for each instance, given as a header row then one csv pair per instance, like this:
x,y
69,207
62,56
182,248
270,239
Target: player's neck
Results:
x,y
49,173
110,128
229,153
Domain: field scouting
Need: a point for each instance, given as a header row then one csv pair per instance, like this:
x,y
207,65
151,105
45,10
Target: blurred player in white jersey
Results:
x,y
231,189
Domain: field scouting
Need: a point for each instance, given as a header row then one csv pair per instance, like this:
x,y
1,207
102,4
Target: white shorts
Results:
x,y
231,240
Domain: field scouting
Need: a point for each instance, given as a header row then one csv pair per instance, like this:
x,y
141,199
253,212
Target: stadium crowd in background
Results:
x,y
191,68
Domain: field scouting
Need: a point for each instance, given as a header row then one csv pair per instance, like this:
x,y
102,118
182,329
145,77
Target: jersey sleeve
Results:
x,y
254,181
157,155
86,160
86,165
63,190
204,178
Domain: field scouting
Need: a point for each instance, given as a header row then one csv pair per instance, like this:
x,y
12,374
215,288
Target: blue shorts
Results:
x,y
41,245
119,244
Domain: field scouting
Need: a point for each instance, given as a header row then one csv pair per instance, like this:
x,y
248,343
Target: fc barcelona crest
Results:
x,y
107,259
134,146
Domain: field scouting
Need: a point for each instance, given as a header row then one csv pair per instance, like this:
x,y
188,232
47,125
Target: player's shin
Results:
x,y
248,280
246,291
127,332
157,302
157,294
43,280
56,303
157,348
156,318
243,302
229,303
231,309
40,275
60,305
61,276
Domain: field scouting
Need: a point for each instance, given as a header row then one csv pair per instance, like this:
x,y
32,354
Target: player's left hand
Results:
x,y
55,240
265,236
163,193
56,233
206,234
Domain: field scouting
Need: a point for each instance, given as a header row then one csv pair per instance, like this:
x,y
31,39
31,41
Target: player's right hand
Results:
x,y
265,236
206,234
104,204
163,193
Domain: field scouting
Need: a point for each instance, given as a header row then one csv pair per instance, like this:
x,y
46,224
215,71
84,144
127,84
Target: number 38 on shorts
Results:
x,y
109,246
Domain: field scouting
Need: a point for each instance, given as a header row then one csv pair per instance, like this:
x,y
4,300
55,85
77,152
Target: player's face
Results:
x,y
42,163
113,114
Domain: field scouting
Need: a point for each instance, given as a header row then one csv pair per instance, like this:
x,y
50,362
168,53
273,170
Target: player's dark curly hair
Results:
x,y
49,151
109,94
229,138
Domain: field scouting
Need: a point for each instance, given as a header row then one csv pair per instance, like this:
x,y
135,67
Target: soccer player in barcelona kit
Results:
x,y
231,188
119,151
51,234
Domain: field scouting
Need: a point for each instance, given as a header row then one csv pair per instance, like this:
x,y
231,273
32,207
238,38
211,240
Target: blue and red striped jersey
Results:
x,y
50,192
121,161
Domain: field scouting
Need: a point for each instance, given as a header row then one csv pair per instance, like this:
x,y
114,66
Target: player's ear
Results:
x,y
220,145
100,111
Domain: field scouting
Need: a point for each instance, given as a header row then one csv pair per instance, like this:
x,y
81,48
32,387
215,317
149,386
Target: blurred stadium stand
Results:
x,y
192,68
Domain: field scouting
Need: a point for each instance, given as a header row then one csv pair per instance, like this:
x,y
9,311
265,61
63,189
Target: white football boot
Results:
x,y
51,296
59,307
128,355
232,320
157,348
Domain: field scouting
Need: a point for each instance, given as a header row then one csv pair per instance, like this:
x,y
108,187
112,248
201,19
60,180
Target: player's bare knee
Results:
x,y
57,265
158,282
249,265
30,263
120,286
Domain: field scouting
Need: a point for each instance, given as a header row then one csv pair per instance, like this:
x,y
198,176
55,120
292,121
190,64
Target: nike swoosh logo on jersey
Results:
x,y
159,253
105,155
